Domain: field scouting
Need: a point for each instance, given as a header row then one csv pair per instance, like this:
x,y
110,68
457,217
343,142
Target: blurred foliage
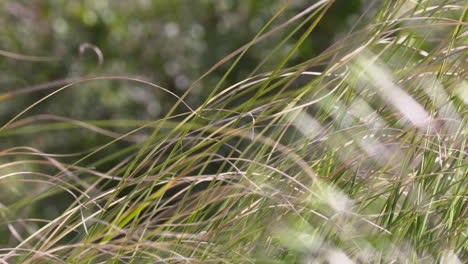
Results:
x,y
171,43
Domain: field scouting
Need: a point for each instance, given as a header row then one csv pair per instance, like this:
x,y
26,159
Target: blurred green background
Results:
x,y
170,43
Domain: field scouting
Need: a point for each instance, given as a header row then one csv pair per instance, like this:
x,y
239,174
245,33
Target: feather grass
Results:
x,y
361,161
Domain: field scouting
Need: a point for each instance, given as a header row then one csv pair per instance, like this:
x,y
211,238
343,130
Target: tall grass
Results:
x,y
357,155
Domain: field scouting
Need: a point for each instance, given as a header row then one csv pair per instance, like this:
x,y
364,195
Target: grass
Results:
x,y
357,155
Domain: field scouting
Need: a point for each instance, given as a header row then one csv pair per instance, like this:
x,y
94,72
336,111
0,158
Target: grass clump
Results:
x,y
357,155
